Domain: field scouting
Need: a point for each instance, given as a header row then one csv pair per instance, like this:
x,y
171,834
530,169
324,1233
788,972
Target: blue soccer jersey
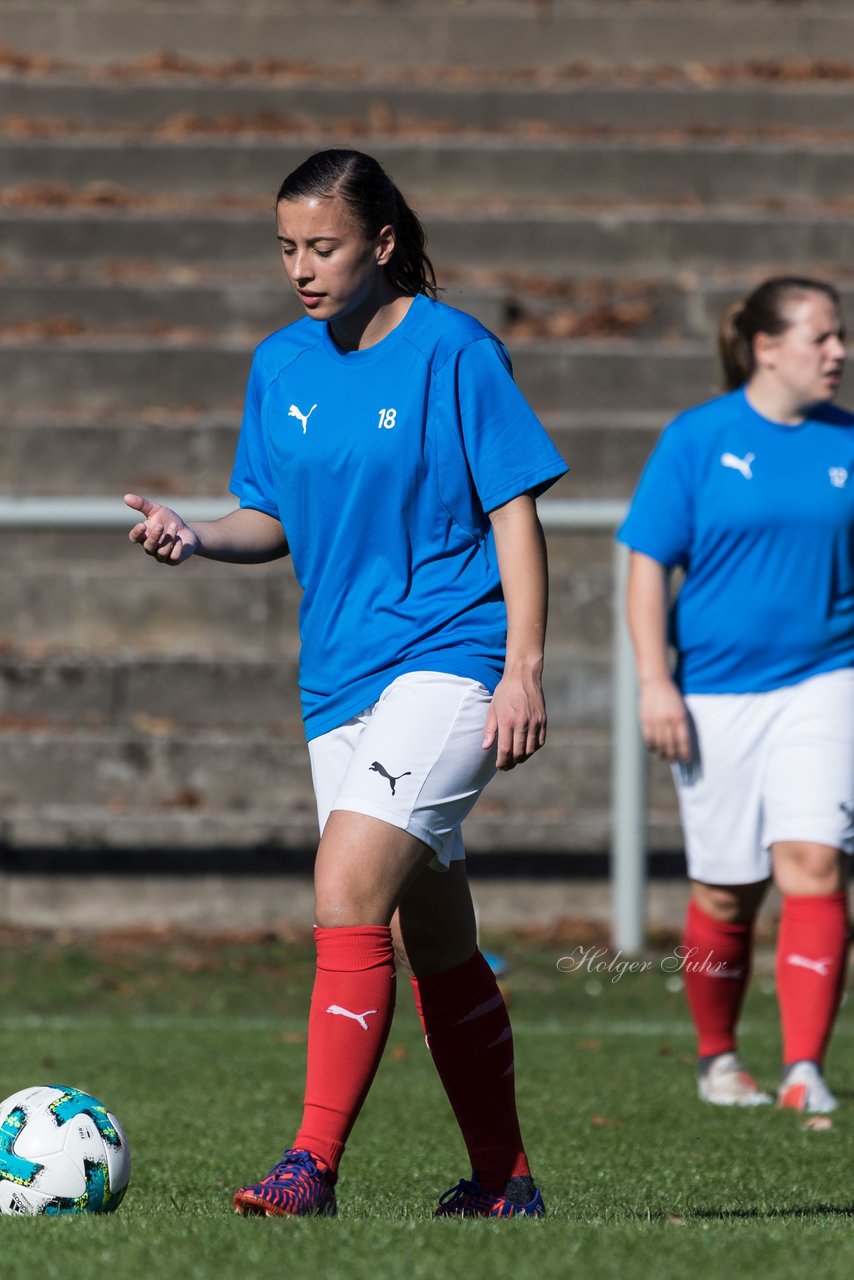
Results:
x,y
382,465
761,518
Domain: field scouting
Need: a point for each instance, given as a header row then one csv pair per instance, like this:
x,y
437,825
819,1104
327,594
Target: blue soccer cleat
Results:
x,y
469,1200
299,1186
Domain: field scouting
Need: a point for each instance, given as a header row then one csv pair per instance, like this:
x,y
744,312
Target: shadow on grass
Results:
x,y
796,1211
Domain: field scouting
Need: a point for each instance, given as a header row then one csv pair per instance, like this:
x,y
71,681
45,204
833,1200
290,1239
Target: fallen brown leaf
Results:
x,y
817,1123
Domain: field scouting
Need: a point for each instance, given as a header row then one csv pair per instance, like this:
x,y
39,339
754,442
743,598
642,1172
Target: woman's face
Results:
x,y
808,358
333,269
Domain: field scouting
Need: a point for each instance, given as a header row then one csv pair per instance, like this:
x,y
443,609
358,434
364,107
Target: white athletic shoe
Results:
x,y
726,1083
804,1089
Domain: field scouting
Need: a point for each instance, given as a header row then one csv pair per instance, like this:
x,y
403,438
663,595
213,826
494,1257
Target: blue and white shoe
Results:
x,y
299,1186
469,1200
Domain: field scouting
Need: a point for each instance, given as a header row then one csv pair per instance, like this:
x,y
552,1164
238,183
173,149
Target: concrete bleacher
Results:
x,y
597,181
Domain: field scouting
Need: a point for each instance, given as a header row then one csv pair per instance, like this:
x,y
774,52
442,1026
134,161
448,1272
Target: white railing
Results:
x,y
628,792
628,854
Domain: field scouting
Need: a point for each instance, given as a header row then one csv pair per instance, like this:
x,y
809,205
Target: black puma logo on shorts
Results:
x,y
378,768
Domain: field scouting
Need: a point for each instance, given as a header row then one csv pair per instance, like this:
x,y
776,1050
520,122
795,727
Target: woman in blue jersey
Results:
x,y
750,497
386,448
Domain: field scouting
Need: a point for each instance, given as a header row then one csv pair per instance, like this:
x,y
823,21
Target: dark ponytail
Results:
x,y
375,202
764,311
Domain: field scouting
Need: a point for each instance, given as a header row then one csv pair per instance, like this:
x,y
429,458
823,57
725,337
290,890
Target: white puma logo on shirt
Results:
x,y
356,1017
294,412
821,967
741,465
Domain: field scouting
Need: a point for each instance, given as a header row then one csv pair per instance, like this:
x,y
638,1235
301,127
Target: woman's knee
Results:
x,y
434,928
426,954
364,867
729,903
805,869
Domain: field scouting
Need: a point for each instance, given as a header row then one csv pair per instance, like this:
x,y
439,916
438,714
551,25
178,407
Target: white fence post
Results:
x,y
628,791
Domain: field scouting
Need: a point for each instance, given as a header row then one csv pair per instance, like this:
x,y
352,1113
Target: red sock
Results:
x,y
717,968
812,956
468,1033
351,1011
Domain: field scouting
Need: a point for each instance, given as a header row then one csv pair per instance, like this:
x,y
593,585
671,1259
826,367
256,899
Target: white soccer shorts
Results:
x,y
413,759
768,767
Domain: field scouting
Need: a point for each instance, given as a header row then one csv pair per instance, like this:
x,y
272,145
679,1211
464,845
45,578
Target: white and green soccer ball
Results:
x,y
61,1152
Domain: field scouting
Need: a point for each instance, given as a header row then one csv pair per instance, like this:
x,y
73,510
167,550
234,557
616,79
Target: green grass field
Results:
x,y
198,1047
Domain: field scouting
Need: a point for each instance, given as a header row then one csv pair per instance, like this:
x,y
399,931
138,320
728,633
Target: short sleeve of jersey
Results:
x,y
660,520
507,448
251,478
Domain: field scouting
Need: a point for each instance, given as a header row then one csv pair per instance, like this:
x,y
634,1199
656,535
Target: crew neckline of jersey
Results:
x,y
378,350
772,422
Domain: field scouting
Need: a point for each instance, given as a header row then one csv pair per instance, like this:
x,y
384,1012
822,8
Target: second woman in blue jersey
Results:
x,y
749,499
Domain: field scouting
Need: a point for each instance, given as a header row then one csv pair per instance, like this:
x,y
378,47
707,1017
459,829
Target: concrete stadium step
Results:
x,y
88,826
255,308
148,696
76,788
186,459
117,601
418,32
214,768
75,376
557,828
100,700
625,239
66,891
516,307
68,593
62,603
509,828
208,771
472,168
64,303
367,106
711,301
118,697
176,457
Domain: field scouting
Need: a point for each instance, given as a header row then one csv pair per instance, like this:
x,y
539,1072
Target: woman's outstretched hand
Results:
x,y
162,533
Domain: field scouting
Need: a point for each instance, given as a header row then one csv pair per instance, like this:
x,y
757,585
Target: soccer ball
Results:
x,y
60,1152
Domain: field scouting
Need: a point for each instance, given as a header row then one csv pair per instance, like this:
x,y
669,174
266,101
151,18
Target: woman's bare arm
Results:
x,y
517,717
663,714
